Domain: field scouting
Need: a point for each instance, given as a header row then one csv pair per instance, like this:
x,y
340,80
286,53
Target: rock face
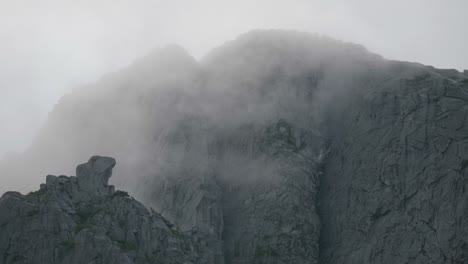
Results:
x,y
394,185
93,176
83,220
258,215
278,147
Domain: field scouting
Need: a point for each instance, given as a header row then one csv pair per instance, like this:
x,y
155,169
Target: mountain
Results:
x,y
279,147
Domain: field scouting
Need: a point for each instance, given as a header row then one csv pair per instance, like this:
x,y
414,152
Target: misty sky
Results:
x,y
48,47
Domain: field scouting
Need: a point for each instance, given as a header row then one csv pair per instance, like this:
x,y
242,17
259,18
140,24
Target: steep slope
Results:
x,y
262,147
280,147
395,182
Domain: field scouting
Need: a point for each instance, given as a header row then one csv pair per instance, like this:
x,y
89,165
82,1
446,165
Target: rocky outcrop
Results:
x,y
93,176
83,220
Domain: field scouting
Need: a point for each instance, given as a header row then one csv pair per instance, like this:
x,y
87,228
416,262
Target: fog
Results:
x,y
51,48
233,116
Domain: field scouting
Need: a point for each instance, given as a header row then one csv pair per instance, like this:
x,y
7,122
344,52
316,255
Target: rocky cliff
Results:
x,y
279,147
395,182
83,220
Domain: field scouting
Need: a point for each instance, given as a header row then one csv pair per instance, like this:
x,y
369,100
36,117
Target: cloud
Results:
x,y
48,47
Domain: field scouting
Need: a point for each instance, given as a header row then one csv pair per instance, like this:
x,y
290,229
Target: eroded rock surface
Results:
x,y
394,184
83,220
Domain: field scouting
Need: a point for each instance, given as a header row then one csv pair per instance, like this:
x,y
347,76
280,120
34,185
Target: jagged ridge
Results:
x,y
83,220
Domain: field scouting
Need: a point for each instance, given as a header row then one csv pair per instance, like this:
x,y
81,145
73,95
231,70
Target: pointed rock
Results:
x,y
93,176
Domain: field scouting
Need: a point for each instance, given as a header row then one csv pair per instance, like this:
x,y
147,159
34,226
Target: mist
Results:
x,y
169,115
58,55
234,132
48,48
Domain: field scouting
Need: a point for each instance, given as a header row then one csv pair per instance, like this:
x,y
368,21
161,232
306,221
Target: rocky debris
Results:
x,y
83,220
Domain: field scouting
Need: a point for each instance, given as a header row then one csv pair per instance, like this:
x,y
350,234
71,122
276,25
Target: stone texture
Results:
x,y
93,176
394,182
253,217
70,220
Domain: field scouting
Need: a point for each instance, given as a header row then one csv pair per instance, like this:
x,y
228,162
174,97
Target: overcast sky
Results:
x,y
48,47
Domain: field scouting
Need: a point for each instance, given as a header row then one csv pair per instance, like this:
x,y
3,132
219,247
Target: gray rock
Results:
x,y
393,189
93,176
55,225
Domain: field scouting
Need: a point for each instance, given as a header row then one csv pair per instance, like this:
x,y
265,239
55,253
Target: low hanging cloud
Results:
x,y
53,48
